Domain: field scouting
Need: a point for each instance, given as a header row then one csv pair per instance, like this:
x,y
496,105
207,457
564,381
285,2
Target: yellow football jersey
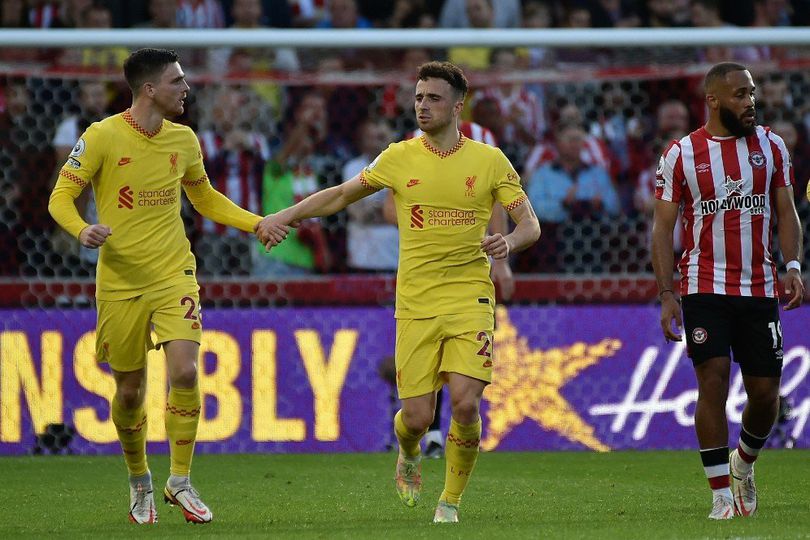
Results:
x,y
136,178
444,201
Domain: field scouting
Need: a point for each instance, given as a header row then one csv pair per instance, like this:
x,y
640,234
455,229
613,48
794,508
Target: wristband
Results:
x,y
660,294
794,265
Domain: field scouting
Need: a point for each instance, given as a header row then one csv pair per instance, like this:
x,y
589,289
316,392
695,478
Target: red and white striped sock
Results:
x,y
748,448
715,465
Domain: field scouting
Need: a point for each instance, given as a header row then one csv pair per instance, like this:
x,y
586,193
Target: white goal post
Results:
x,y
384,38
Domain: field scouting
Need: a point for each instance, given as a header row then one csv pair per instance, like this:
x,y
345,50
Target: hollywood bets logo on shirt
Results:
x,y
734,200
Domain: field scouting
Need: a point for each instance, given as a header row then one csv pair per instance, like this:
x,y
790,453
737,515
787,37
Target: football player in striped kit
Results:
x,y
733,180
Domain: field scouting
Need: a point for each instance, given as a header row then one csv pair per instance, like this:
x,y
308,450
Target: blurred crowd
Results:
x,y
586,151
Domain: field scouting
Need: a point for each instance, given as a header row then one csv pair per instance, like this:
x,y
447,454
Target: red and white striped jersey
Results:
x,y
727,186
471,130
594,152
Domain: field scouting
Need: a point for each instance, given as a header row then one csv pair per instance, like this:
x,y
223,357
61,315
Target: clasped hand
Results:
x,y
273,229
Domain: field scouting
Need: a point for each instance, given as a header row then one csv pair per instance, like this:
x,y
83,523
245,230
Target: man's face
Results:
x,y
569,143
673,118
170,92
436,104
343,13
247,13
94,98
163,13
480,13
733,98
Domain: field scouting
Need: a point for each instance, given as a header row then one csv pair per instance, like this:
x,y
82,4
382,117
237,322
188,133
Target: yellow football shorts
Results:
x,y
123,329
427,349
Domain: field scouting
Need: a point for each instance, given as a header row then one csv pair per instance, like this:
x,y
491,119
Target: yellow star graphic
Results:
x,y
527,384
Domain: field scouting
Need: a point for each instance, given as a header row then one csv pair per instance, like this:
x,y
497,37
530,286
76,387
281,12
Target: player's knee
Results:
x,y
129,396
418,419
764,396
184,376
465,411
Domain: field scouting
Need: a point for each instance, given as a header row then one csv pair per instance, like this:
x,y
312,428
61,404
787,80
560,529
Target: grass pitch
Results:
x,y
512,495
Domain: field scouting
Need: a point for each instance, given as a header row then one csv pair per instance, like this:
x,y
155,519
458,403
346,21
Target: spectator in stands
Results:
x,y
772,13
275,13
27,162
290,176
343,14
536,14
410,14
234,154
247,15
577,15
481,15
775,101
97,15
706,14
566,190
462,14
200,14
594,149
373,243
162,14
671,122
94,102
306,13
50,14
799,150
521,110
614,14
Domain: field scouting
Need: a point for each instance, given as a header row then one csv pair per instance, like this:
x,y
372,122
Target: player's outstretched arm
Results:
x,y
322,203
663,261
526,233
790,244
217,207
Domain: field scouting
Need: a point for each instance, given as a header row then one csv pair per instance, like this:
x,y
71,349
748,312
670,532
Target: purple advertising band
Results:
x,y
595,378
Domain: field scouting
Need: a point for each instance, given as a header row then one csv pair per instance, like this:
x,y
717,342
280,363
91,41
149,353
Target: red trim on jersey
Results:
x,y
731,221
517,202
127,116
446,153
365,183
197,182
73,178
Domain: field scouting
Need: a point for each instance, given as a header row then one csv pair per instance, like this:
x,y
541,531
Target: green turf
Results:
x,y
527,495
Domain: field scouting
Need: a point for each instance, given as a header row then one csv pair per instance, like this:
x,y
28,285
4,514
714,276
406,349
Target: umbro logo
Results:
x,y
412,182
124,161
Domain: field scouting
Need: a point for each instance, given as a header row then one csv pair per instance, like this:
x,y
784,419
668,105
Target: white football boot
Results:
x,y
188,499
722,507
142,504
743,488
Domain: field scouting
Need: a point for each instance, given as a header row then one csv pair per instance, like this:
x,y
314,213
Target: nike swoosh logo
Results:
x,y
124,161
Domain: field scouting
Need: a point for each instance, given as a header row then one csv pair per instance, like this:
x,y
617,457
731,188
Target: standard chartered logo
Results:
x,y
447,217
157,197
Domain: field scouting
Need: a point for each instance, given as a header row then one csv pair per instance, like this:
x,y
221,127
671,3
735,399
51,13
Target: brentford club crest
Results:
x,y
699,335
756,159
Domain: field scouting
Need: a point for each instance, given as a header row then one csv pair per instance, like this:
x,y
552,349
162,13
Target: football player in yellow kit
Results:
x,y
444,187
137,162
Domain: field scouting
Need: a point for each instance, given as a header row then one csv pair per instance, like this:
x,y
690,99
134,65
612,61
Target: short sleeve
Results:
x,y
669,176
86,158
782,165
507,190
195,172
379,173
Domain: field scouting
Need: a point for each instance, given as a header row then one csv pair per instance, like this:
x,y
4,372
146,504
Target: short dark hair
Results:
x,y
146,64
445,71
719,72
